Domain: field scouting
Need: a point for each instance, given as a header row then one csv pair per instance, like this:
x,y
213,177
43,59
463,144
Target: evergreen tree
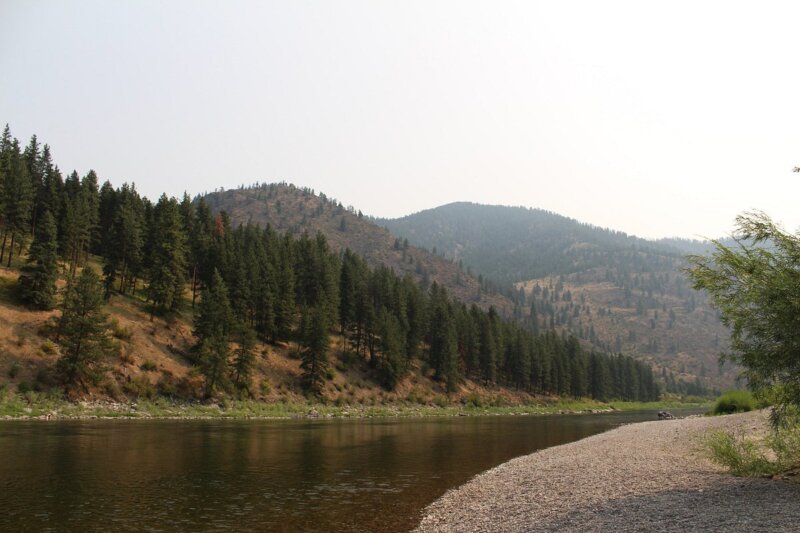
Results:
x,y
33,163
167,256
487,350
285,302
83,332
443,351
5,145
124,241
38,284
17,199
200,245
51,193
108,203
213,326
392,363
315,350
243,358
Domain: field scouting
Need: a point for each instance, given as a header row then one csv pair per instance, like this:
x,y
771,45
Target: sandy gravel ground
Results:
x,y
651,476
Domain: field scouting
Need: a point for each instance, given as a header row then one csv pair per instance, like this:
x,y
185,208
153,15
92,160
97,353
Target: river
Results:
x,y
267,475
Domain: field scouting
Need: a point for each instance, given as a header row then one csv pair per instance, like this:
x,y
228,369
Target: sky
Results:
x,y
654,118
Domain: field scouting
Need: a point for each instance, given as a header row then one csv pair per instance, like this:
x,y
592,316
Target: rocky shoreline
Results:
x,y
651,476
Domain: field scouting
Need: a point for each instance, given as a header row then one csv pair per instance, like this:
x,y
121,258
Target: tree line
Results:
x,y
248,283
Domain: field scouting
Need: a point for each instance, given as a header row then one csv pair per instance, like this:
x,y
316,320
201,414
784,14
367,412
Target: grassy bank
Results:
x,y
41,406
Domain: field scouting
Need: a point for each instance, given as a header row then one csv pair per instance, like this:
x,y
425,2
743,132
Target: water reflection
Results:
x,y
353,475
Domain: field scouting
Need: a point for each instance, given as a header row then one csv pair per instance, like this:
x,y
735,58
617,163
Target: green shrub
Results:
x,y
48,348
779,452
735,401
112,389
140,387
148,366
121,333
14,370
441,400
473,399
24,387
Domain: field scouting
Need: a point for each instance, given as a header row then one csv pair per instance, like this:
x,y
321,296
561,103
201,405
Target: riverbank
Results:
x,y
42,407
651,476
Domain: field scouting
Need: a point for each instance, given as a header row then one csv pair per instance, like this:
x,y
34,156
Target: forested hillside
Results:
x,y
202,307
615,291
290,209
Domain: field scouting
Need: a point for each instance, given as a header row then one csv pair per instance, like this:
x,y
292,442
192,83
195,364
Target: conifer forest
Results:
x,y
81,243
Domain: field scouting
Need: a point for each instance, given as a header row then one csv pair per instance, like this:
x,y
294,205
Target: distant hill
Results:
x,y
511,244
616,291
291,209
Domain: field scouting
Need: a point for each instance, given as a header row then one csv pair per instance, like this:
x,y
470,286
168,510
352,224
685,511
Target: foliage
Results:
x,y
314,359
778,452
213,325
281,287
756,287
167,257
83,332
244,358
735,401
510,244
140,387
38,283
148,366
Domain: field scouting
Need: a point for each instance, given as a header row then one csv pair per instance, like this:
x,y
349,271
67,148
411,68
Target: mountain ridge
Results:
x,y
616,291
288,208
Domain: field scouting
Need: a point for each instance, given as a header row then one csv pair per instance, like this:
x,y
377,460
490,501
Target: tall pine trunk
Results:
x,y
194,285
10,249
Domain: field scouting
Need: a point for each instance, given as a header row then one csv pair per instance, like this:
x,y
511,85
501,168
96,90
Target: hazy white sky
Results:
x,y
655,118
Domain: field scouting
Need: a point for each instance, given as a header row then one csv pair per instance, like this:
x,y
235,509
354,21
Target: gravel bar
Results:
x,y
651,476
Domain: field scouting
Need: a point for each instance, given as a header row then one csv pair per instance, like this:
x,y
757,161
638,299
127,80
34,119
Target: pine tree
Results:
x,y
108,203
487,350
124,241
443,351
33,163
38,283
51,194
285,302
91,199
392,364
243,358
213,327
167,256
201,243
83,332
17,198
315,350
5,146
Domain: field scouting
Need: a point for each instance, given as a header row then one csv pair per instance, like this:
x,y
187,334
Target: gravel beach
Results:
x,y
652,476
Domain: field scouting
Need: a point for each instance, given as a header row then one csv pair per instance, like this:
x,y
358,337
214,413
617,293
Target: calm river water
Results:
x,y
342,475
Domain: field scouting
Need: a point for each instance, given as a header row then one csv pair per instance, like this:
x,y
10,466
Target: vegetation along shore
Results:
x,y
40,407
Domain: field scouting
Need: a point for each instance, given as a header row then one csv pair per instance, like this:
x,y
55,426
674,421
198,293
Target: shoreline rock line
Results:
x,y
650,476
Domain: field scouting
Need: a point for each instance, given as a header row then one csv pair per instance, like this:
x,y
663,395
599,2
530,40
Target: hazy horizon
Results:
x,y
659,120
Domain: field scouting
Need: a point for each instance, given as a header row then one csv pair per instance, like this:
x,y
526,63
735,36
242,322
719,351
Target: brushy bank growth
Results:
x,y
734,401
751,456
52,406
